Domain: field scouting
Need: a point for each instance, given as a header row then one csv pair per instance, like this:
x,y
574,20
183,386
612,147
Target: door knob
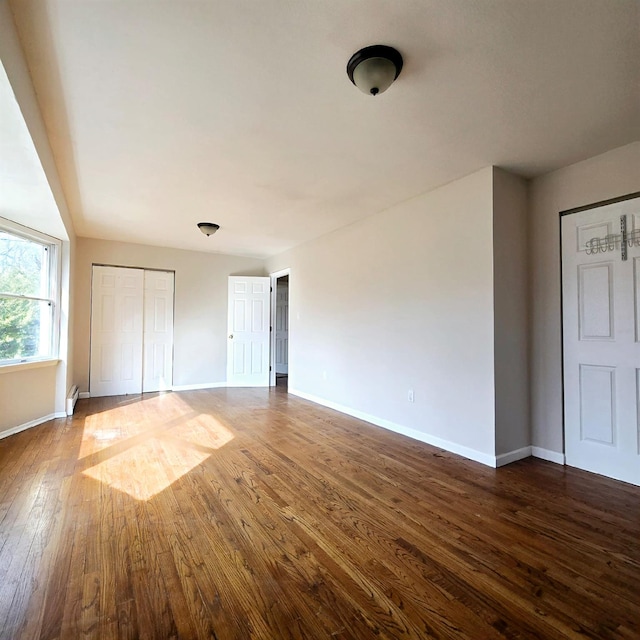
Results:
x,y
231,336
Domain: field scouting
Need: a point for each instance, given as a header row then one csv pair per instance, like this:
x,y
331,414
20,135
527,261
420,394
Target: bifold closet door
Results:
x,y
117,296
158,331
131,331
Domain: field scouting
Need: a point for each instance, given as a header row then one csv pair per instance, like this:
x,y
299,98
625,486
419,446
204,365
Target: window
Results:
x,y
29,268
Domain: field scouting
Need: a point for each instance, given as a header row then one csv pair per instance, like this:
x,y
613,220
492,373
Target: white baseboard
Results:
x,y
547,454
84,395
513,456
242,385
195,387
447,445
32,423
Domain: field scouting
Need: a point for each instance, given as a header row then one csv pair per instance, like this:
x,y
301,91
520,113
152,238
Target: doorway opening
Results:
x,y
280,329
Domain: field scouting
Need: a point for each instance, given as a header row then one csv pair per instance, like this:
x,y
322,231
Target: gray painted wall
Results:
x,y
606,176
511,297
402,300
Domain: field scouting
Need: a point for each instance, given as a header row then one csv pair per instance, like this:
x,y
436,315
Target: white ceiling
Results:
x,y
164,114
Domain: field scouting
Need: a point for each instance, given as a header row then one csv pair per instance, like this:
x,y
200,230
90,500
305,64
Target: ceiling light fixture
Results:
x,y
373,69
208,228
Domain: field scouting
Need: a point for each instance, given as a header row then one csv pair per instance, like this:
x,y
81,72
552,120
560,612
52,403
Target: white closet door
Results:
x,y
158,331
116,331
601,327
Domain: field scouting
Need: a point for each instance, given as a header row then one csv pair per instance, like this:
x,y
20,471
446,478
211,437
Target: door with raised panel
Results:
x,y
158,331
116,331
601,339
248,331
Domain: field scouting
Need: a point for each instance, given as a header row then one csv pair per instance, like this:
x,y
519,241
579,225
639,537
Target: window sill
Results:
x,y
32,364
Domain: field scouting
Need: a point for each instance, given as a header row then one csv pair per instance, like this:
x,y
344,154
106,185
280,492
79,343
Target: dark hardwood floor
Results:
x,y
253,514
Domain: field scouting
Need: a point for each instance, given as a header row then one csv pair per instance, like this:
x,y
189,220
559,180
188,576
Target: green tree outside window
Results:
x,y
23,272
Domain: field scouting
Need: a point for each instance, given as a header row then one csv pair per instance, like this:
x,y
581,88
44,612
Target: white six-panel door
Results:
x,y
601,336
158,331
116,331
248,331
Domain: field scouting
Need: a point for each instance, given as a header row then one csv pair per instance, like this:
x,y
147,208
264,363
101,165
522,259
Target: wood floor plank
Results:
x,y
241,514
571,546
355,526
287,561
491,543
231,534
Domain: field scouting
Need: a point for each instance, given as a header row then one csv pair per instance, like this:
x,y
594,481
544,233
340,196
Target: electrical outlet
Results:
x,y
410,396
324,375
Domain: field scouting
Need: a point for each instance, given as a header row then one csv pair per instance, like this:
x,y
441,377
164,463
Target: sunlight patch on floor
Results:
x,y
104,428
144,469
203,431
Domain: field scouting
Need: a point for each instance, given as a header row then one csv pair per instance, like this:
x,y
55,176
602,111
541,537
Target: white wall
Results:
x,y
511,358
402,300
200,324
26,396
609,175
30,394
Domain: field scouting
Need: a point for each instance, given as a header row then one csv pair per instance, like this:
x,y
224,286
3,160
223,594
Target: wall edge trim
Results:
x,y
195,387
547,454
447,445
32,423
513,456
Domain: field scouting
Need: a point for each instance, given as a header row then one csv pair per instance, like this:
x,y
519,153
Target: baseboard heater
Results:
x,y
71,399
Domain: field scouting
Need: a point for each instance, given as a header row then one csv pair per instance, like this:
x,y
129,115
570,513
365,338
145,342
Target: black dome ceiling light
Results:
x,y
208,228
373,69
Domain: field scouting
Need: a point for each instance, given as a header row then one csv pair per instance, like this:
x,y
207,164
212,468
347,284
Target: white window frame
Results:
x,y
54,251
